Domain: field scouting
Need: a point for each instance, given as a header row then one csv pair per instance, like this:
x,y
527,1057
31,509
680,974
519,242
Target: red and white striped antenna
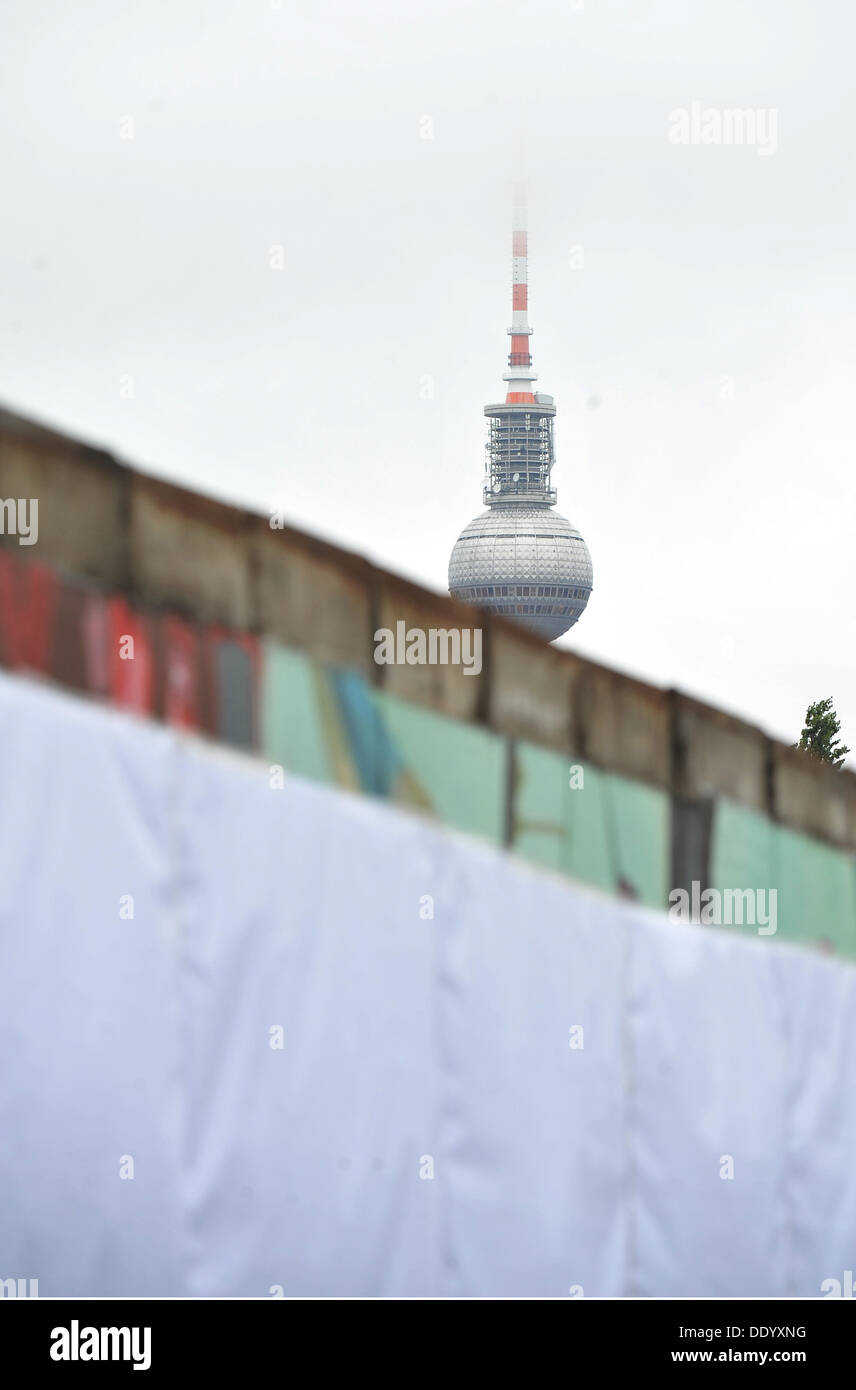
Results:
x,y
519,375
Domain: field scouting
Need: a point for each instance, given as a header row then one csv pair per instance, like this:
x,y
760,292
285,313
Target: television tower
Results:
x,y
519,558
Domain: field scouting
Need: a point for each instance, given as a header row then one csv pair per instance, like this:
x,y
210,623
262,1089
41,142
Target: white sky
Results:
x,y
720,525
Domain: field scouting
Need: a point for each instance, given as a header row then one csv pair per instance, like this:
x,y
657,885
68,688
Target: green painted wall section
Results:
x,y
295,719
815,884
453,770
817,893
608,831
334,727
639,828
562,828
742,848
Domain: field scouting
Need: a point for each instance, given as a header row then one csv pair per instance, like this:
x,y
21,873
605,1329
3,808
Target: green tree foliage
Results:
x,y
820,735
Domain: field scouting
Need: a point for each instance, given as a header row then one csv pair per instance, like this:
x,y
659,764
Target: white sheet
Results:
x,y
427,1126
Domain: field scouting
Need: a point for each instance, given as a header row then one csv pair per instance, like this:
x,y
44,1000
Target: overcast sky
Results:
x,y
692,304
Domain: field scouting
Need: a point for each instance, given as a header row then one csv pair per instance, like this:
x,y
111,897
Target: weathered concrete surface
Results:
x,y
531,689
716,754
813,796
308,594
189,553
81,496
623,724
443,687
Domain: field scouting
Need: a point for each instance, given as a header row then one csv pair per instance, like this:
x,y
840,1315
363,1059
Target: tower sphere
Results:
x,y
526,563
519,558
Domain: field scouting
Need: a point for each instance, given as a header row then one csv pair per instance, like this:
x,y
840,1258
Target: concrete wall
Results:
x,y
531,691
309,594
82,497
445,688
188,553
623,724
167,548
814,797
715,754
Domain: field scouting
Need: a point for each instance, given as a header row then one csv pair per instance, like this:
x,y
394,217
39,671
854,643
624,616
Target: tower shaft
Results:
x,y
520,442
520,375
